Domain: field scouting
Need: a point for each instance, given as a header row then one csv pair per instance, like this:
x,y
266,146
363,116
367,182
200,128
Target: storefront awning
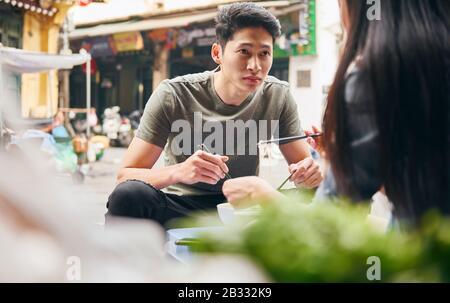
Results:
x,y
20,61
143,25
278,8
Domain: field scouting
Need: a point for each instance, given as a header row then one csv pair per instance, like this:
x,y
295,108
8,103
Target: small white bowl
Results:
x,y
228,214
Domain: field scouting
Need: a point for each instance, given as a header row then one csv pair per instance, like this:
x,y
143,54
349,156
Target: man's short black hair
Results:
x,y
236,16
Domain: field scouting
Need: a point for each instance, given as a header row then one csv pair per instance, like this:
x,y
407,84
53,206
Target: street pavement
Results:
x,y
92,194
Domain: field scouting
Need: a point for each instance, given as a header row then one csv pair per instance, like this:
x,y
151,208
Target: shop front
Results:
x,y
11,28
131,64
122,74
192,53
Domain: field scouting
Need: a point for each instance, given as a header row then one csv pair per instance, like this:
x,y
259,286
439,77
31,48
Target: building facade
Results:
x,y
133,56
33,25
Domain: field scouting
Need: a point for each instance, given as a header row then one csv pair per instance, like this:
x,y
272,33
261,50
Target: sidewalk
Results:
x,y
93,193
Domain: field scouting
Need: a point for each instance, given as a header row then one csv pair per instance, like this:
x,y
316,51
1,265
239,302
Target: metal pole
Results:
x,y
88,94
141,96
49,94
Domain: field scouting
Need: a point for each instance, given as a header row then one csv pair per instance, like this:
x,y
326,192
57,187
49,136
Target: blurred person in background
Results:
x,y
386,124
57,127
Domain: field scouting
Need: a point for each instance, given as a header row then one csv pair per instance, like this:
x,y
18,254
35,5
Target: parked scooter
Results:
x,y
78,122
135,119
117,128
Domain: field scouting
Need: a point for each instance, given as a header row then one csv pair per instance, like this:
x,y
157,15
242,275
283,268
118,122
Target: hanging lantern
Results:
x,y
83,2
45,4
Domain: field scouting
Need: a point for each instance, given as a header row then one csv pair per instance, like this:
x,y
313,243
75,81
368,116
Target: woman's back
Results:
x,y
401,94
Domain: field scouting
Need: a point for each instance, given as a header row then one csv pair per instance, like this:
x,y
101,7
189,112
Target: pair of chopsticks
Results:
x,y
288,139
203,147
287,179
285,140
186,242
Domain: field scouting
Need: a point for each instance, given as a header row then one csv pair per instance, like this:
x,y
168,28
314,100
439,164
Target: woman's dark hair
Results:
x,y
403,62
236,16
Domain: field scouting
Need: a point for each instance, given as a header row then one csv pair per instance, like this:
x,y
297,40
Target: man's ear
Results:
x,y
216,53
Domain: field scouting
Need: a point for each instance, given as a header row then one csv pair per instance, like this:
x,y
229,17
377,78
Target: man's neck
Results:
x,y
228,92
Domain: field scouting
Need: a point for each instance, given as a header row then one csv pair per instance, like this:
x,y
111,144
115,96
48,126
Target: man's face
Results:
x,y
247,58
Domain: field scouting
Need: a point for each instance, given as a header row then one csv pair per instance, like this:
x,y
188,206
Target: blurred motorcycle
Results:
x,y
78,122
117,128
135,119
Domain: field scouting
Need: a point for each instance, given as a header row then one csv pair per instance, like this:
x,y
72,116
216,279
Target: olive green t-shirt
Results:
x,y
186,111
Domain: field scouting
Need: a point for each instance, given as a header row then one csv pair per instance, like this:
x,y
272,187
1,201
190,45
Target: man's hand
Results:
x,y
202,167
245,189
308,173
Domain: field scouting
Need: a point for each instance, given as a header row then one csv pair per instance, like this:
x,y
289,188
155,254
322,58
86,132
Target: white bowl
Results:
x,y
228,214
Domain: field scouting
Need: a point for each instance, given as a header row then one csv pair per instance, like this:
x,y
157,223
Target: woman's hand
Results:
x,y
307,173
246,189
316,142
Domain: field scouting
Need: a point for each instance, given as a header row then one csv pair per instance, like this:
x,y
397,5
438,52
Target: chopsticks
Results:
x,y
287,139
287,179
186,241
203,147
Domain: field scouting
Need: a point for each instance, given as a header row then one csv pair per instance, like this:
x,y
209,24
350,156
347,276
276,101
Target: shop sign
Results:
x,y
299,37
128,41
158,35
207,41
187,52
197,36
164,35
100,46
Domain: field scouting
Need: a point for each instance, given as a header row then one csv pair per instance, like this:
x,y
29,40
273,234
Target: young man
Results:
x,y
208,105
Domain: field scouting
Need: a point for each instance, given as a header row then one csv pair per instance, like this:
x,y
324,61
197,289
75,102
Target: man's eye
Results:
x,y
244,51
265,53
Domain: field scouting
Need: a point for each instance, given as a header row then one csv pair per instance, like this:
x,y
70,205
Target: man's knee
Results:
x,y
133,199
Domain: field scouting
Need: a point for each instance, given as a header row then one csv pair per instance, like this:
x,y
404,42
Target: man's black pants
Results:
x,y
137,199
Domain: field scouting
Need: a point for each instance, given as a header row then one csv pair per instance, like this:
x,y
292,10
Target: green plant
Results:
x,y
296,242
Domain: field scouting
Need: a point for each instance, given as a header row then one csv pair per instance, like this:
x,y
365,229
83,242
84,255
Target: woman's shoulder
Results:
x,y
356,91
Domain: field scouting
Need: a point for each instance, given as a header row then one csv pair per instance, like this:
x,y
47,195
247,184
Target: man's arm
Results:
x,y
138,164
141,156
295,152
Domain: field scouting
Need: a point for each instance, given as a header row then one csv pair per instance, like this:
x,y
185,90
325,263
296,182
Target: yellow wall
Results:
x,y
41,34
